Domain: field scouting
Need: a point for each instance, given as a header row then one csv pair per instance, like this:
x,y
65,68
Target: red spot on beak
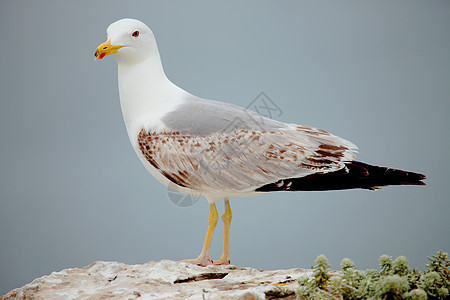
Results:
x,y
101,55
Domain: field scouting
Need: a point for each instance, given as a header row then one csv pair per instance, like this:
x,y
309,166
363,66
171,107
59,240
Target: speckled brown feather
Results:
x,y
242,160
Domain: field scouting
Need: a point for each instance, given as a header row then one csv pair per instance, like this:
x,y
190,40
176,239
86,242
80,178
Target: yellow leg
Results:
x,y
212,222
226,218
204,258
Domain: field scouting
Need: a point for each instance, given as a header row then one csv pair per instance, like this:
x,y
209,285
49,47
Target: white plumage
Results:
x,y
216,149
227,162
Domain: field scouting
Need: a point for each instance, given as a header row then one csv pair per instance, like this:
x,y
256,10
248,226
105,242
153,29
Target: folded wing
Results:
x,y
216,147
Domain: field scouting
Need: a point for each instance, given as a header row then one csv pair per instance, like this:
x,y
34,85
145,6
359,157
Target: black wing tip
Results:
x,y
416,178
355,175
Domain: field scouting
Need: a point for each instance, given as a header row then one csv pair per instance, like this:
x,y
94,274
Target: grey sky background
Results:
x,y
72,190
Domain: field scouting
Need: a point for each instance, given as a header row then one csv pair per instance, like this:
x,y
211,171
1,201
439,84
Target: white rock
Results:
x,y
159,280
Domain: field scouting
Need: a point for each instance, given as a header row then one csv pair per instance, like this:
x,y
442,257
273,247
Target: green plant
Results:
x,y
394,280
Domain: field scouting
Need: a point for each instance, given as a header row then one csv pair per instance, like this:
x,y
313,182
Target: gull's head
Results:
x,y
129,39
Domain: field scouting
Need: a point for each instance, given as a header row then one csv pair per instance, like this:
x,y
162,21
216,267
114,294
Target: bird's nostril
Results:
x,y
104,48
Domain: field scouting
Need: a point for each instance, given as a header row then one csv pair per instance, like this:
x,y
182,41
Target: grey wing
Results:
x,y
200,117
215,147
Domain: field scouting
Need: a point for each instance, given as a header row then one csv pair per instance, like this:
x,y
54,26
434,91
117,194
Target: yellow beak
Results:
x,y
105,49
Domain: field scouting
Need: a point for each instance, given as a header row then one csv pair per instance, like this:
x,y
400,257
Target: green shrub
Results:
x,y
394,280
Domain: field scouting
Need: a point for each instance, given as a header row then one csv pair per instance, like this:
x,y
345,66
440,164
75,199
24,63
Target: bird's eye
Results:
x,y
135,34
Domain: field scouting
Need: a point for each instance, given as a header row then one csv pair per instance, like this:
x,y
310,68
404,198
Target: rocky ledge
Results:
x,y
161,280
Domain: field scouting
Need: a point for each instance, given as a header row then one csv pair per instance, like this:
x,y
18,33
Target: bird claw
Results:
x,y
222,261
200,261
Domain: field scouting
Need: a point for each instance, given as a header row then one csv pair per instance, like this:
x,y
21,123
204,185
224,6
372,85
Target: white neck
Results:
x,y
146,94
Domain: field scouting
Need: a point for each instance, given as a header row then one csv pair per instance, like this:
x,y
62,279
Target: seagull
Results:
x,y
219,150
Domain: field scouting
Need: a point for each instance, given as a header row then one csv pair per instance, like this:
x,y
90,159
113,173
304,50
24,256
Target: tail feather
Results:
x,y
355,175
